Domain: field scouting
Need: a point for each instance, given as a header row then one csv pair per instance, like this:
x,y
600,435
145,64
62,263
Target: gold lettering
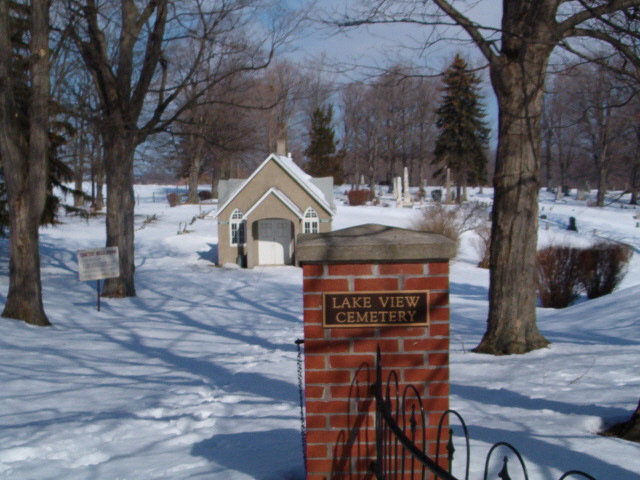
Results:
x,y
412,301
340,317
384,301
399,302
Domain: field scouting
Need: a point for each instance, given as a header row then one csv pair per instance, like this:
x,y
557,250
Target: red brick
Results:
x,y
324,347
439,299
327,406
318,466
325,285
438,404
328,377
426,283
313,392
315,421
439,314
317,451
438,359
404,360
350,361
414,375
434,419
320,476
353,332
350,391
403,332
312,301
313,316
439,268
313,331
426,375
363,421
314,362
426,344
350,269
439,389
364,465
312,270
322,436
439,329
401,269
386,345
366,284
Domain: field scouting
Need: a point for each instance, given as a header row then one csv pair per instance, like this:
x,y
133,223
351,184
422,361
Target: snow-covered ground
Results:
x,y
196,376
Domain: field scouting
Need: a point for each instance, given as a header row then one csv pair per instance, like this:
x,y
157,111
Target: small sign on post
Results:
x,y
97,264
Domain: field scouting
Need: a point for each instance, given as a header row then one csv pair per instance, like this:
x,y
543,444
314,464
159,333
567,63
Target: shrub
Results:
x,y
205,195
559,274
358,197
173,199
449,220
482,244
603,267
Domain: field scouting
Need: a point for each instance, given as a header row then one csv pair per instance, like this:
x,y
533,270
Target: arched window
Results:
x,y
311,221
238,229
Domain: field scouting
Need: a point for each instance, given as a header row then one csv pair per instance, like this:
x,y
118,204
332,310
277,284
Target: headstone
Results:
x,y
447,186
407,193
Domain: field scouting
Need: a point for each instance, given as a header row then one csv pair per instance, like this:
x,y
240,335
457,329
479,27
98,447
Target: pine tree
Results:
x,y
463,137
18,18
321,152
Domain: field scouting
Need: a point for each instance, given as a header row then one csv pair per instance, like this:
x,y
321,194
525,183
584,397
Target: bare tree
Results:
x,y
24,149
212,132
518,54
560,139
142,56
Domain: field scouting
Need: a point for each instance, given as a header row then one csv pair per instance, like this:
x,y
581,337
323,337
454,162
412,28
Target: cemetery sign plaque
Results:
x,y
98,263
408,308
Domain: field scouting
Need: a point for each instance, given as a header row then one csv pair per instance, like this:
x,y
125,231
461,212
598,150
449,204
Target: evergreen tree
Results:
x,y
463,137
321,152
18,21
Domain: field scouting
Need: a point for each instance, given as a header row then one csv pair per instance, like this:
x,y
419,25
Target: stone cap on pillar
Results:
x,y
373,243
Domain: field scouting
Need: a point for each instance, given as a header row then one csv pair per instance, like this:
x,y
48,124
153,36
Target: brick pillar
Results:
x,y
369,262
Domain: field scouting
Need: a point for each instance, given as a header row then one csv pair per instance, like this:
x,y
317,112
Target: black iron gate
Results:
x,y
401,443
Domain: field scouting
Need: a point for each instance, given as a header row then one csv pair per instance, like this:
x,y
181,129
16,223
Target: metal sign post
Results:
x,y
98,264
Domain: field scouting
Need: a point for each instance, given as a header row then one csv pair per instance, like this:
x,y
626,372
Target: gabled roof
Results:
x,y
282,197
296,173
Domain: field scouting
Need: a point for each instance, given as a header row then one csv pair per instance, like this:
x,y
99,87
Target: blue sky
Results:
x,y
379,46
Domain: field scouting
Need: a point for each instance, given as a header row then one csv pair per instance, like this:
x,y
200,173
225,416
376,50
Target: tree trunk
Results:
x,y
78,175
629,430
511,324
119,148
25,166
602,183
98,174
24,300
194,176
